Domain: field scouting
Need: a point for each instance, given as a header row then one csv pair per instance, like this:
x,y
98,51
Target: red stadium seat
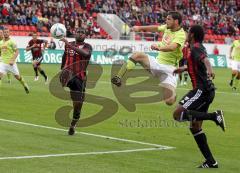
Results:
x,y
33,28
15,33
27,28
21,28
10,27
15,28
207,36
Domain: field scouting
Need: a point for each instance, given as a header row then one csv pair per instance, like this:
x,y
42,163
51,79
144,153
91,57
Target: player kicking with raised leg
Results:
x,y
35,45
170,52
9,53
194,105
74,65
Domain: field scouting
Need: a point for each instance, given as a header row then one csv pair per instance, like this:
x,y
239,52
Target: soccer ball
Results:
x,y
58,31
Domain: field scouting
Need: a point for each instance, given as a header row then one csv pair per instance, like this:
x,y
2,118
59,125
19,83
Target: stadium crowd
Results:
x,y
219,17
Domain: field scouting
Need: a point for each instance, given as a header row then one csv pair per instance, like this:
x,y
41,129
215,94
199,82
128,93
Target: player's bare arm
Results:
x,y
167,48
30,47
209,68
151,28
180,70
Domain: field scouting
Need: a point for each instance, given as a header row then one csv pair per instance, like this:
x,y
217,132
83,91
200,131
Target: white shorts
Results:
x,y
6,68
163,72
235,65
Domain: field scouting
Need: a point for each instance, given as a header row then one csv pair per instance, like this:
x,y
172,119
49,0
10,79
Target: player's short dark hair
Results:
x,y
176,16
81,30
198,33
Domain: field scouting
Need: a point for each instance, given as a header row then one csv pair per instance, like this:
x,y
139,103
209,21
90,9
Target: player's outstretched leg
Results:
x,y
24,84
182,114
43,74
137,57
169,94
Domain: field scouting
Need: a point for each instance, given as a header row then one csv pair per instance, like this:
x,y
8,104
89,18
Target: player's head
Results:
x,y
173,20
1,34
80,35
196,34
34,35
6,33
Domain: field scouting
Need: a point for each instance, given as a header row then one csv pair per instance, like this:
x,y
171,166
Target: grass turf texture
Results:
x,y
40,106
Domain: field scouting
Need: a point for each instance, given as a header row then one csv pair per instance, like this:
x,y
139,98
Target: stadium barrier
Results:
x,y
107,51
103,57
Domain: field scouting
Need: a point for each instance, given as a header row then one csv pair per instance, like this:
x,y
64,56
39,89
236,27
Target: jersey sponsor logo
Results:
x,y
167,39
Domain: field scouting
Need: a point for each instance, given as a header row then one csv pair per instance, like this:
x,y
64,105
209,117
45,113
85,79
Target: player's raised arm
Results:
x,y
151,28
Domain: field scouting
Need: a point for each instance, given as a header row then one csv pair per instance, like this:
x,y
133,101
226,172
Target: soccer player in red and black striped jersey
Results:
x,y
194,105
35,45
75,60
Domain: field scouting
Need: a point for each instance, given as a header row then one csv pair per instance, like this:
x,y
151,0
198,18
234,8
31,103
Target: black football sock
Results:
x,y
76,117
180,78
36,71
43,74
201,141
185,77
190,115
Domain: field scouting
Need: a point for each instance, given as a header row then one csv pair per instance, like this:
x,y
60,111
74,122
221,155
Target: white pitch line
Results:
x,y
89,134
80,154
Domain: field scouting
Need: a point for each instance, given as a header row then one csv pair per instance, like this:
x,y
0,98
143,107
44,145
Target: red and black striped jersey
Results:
x,y
196,67
186,51
36,51
74,62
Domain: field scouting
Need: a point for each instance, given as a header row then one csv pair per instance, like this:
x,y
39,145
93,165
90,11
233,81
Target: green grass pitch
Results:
x,y
53,151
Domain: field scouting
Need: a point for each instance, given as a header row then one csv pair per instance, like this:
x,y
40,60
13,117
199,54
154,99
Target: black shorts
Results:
x,y
38,59
197,99
182,62
77,88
